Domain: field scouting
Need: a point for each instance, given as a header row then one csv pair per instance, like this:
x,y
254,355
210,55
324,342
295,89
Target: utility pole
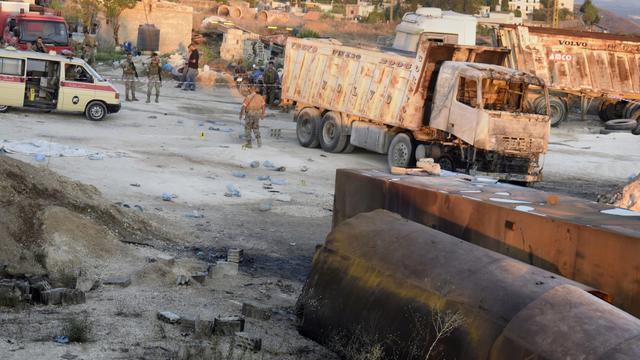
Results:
x,y
391,12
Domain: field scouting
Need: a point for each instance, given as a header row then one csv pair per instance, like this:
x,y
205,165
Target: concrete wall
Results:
x,y
175,22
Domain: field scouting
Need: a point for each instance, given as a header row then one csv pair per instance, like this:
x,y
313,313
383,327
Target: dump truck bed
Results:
x,y
576,62
371,84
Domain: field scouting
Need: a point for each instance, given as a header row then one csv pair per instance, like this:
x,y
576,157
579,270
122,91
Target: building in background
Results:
x,y
526,6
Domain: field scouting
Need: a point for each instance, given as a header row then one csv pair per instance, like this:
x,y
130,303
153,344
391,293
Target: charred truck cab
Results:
x,y
484,125
452,103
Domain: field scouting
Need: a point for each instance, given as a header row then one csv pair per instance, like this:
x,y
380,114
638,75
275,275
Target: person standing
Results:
x,y
155,77
40,46
89,45
270,78
128,73
253,108
191,69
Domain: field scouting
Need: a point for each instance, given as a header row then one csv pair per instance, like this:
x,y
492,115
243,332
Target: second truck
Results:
x,y
452,103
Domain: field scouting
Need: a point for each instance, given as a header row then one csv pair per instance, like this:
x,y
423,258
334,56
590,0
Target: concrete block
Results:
x,y
37,288
228,326
249,342
224,268
428,165
199,277
52,297
167,260
168,317
73,297
256,311
122,281
235,255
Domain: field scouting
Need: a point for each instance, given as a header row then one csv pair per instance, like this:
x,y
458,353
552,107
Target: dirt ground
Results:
x,y
189,146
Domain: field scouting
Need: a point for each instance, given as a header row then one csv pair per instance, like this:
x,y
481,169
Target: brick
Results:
x,y
256,311
228,326
199,277
249,342
122,281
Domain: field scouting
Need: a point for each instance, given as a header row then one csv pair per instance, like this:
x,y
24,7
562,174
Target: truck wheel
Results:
x,y
332,137
446,163
610,110
307,126
559,110
95,111
621,124
629,110
636,131
4,108
400,151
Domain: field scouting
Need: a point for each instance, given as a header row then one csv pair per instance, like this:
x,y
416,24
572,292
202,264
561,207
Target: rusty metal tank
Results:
x,y
381,280
591,243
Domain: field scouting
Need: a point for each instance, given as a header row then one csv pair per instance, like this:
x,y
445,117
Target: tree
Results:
x,y
113,9
517,13
504,5
590,14
539,15
565,14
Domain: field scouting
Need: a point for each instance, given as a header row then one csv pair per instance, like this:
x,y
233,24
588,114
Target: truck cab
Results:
x,y
486,107
21,26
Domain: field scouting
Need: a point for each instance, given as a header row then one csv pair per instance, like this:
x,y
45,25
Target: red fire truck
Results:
x,y
22,23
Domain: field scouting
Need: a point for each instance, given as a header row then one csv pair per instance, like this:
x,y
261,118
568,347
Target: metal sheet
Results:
x,y
576,62
383,278
565,235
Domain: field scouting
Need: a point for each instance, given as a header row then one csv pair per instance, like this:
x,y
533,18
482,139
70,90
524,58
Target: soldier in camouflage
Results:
x,y
128,73
155,77
89,45
270,78
253,109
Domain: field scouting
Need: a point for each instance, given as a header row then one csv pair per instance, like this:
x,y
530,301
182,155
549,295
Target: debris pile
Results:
x,y
54,227
626,197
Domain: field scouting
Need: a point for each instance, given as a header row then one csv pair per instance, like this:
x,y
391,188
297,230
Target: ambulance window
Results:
x,y
468,92
11,66
77,73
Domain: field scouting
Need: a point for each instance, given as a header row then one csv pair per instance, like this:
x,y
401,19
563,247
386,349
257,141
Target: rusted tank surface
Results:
x,y
581,240
576,62
381,280
384,87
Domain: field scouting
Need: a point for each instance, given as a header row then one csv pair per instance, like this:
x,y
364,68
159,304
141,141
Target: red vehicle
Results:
x,y
26,26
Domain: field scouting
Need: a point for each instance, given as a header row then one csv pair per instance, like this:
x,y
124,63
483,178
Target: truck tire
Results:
x,y
621,124
611,110
446,163
400,151
636,131
629,110
307,127
332,136
95,111
559,110
4,108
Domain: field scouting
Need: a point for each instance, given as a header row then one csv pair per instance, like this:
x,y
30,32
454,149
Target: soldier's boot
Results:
x,y
133,96
259,141
157,98
149,99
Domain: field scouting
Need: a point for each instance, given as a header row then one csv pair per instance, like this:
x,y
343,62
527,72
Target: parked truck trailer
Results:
x,y
588,65
449,102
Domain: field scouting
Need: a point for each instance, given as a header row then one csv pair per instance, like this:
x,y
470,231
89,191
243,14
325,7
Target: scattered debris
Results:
x,y
626,197
232,191
61,339
255,164
281,169
428,165
194,215
256,311
265,205
182,280
275,133
97,156
134,185
228,326
167,196
279,181
304,168
62,296
239,174
40,157
264,178
268,164
227,130
283,198
168,317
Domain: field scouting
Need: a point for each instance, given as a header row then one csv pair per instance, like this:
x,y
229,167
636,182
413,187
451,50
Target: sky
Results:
x,y
629,8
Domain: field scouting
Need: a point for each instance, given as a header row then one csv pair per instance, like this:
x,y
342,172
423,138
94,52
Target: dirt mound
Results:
x,y
51,223
626,197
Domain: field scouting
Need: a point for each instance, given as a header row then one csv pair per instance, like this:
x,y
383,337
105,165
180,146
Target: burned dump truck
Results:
x,y
385,285
582,64
449,102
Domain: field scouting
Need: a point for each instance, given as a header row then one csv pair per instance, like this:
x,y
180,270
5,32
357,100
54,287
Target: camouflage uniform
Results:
x,y
128,74
155,79
270,78
88,49
253,111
